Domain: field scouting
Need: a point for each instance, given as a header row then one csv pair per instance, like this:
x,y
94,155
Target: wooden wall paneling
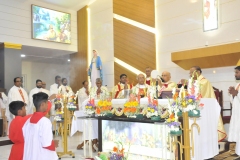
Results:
x,y
78,63
118,70
141,11
134,46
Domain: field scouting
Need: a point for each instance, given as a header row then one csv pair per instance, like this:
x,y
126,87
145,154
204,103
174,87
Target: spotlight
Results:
x,y
23,55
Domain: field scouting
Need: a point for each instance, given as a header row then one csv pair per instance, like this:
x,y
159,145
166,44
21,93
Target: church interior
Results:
x,y
143,79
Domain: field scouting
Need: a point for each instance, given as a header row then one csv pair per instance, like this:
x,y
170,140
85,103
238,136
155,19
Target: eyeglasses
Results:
x,y
18,81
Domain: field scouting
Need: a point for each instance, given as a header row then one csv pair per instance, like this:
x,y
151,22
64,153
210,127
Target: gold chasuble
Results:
x,y
118,91
208,92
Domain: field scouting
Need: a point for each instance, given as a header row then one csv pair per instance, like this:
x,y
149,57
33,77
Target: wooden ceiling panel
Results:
x,y
209,57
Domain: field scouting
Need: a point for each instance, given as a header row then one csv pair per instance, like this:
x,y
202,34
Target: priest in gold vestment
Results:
x,y
207,91
118,90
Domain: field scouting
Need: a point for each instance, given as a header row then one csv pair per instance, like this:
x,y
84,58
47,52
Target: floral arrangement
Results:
x,y
104,107
116,154
57,118
152,109
131,107
90,107
72,103
184,101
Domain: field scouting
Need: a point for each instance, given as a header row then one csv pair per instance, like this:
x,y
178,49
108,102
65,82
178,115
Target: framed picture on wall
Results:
x,y
51,25
210,15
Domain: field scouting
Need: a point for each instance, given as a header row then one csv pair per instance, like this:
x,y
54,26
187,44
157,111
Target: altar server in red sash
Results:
x,y
118,90
17,108
37,132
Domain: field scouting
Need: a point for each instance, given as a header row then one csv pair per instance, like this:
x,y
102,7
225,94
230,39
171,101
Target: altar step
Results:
x,y
227,151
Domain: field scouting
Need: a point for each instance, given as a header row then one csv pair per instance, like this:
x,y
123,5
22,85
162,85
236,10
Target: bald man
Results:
x,y
148,76
141,88
167,84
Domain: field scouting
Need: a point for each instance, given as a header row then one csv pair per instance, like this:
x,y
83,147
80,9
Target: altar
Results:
x,y
144,138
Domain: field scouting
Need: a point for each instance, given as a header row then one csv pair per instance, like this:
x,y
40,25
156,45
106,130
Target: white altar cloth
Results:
x,y
206,143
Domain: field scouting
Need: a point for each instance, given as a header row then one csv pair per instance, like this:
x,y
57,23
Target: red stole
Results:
x,y
20,91
119,90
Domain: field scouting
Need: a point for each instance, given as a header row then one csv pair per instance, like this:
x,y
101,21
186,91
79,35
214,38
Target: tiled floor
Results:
x,y
72,145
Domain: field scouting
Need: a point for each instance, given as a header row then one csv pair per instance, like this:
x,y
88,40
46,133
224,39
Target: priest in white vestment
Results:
x,y
234,128
16,93
35,90
141,88
83,94
98,91
3,102
65,89
44,87
54,89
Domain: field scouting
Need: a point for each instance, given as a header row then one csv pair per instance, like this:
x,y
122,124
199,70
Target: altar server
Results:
x,y
234,128
18,109
16,93
37,132
118,90
35,90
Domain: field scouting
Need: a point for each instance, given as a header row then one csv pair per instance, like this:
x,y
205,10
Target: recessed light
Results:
x,y
237,39
214,71
23,55
68,60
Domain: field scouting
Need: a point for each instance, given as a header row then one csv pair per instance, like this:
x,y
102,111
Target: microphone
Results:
x,y
156,89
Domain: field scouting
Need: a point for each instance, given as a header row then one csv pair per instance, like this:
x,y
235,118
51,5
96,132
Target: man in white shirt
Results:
x,y
54,89
3,102
34,91
99,91
65,89
234,128
44,87
16,93
83,94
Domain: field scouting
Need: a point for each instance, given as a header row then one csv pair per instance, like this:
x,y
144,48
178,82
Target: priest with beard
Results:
x,y
65,88
234,128
35,90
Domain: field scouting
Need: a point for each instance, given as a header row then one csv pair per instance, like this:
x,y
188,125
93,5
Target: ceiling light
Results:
x,y
214,71
237,39
68,60
23,55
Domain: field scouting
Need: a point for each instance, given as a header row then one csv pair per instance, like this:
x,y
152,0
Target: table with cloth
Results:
x,y
205,142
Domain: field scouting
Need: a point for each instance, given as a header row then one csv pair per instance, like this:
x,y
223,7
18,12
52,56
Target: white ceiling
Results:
x,y
71,4
45,55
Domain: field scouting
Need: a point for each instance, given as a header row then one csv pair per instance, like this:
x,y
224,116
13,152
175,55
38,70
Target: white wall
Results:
x,y
15,26
44,71
180,27
101,37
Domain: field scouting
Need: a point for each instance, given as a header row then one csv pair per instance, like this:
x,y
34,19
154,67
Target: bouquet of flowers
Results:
x,y
116,154
152,109
104,107
71,103
131,107
173,124
90,107
58,102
